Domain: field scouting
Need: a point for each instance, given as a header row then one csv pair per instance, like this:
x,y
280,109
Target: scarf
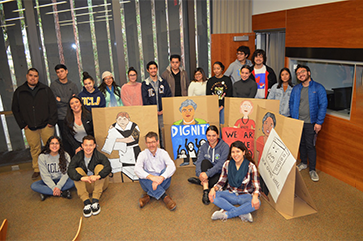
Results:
x,y
235,177
113,101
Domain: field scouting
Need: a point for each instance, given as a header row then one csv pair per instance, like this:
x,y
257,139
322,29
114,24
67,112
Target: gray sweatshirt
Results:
x,y
49,170
64,92
234,70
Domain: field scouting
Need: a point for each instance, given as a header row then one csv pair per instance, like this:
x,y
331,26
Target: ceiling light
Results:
x,y
12,19
50,4
100,20
18,10
7,25
5,1
75,9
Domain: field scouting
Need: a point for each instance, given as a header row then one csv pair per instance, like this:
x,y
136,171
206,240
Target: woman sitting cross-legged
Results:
x,y
53,163
239,175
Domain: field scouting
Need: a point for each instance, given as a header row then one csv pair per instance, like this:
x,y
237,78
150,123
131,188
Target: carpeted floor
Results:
x,y
339,217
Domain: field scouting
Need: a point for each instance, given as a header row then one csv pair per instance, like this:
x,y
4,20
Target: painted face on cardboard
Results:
x,y
268,125
152,144
54,146
32,78
212,138
88,147
246,108
122,121
75,105
89,85
237,154
188,113
62,74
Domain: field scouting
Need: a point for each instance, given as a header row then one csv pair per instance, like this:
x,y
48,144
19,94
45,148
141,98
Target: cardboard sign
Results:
x,y
187,139
192,110
119,133
231,134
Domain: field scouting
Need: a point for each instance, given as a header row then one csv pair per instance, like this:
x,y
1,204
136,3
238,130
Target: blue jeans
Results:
x,y
146,185
221,116
227,200
42,188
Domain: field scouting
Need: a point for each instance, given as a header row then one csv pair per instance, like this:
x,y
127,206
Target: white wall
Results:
x,y
266,6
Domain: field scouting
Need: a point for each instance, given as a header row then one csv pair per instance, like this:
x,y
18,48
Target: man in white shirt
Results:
x,y
154,167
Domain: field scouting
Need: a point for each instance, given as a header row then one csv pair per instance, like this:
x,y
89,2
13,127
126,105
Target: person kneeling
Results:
x,y
154,168
90,169
243,186
53,162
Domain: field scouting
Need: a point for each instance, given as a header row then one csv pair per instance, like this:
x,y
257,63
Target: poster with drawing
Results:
x,y
231,134
119,133
275,164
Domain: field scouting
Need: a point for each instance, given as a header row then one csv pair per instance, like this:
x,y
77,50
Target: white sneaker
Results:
x,y
314,176
219,215
96,209
246,217
87,211
302,166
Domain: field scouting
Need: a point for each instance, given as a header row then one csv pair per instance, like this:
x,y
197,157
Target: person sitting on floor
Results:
x,y
154,168
53,162
239,176
89,169
208,166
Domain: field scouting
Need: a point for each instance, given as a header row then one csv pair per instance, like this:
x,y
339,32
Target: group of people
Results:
x,y
37,108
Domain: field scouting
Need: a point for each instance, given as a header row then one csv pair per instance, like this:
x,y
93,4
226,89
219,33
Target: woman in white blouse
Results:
x,y
199,84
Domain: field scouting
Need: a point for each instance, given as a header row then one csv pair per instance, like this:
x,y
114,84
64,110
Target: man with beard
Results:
x,y
35,110
308,102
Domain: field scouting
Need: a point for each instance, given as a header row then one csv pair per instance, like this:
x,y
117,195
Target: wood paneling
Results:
x,y
224,49
272,20
333,25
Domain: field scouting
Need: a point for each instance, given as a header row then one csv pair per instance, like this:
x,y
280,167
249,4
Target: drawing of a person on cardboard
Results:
x,y
245,122
187,109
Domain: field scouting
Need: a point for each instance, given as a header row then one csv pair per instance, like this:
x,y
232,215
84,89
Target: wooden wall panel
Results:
x,y
333,25
272,20
224,49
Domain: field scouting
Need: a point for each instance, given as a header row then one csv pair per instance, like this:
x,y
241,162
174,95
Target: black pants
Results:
x,y
205,166
307,146
67,147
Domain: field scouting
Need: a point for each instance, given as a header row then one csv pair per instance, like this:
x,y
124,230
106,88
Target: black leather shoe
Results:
x,y
66,194
205,198
43,196
194,180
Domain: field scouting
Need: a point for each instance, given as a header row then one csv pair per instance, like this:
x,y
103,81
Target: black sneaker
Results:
x,y
43,196
66,194
87,210
96,209
194,180
205,198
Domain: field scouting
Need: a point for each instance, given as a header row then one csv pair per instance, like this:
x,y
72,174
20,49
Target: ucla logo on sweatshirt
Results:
x,y
161,89
90,101
151,92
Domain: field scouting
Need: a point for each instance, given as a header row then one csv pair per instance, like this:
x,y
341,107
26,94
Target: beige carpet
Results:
x,y
339,217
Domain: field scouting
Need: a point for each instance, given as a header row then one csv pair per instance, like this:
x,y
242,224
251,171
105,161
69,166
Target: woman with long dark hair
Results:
x,y
282,91
78,124
240,178
131,91
110,90
198,85
53,163
91,95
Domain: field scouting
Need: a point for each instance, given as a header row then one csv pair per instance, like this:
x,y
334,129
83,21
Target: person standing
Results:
x,y
153,89
110,90
35,110
89,169
63,89
263,75
197,86
176,77
234,68
308,102
131,91
245,87
90,94
154,168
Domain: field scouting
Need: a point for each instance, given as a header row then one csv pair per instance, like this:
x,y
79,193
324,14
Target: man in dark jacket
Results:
x,y
35,111
89,169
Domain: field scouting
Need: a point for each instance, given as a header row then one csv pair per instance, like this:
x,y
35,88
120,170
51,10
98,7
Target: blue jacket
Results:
x,y
318,102
149,95
92,100
217,156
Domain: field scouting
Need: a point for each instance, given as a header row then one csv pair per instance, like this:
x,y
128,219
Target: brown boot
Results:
x,y
169,203
144,200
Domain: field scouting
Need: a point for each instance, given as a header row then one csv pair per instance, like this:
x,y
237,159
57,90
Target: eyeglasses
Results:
x,y
150,142
301,72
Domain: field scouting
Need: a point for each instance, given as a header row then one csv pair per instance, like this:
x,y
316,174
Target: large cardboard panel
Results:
x,y
207,109
144,117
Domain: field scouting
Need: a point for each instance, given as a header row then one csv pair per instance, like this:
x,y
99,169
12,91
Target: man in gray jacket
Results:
x,y
63,89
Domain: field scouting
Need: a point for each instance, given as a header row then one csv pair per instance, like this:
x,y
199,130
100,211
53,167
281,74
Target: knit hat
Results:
x,y
106,74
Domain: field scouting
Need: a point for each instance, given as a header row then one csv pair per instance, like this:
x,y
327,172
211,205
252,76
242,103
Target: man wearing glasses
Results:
x,y
234,68
154,168
308,102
